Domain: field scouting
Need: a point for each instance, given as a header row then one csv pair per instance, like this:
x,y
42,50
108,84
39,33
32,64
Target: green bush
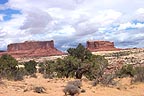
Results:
x,y
48,68
41,67
126,70
8,66
136,72
80,52
97,66
79,62
30,67
67,67
139,76
91,66
108,79
20,73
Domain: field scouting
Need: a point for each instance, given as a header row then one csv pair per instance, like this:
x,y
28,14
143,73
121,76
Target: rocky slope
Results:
x,y
32,49
117,59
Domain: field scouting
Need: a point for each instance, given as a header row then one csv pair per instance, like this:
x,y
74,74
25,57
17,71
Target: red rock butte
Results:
x,y
95,46
32,49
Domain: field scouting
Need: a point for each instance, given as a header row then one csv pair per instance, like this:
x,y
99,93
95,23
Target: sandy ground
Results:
x,y
55,86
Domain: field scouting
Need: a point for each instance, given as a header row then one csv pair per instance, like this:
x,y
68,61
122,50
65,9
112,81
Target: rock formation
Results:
x,y
29,45
101,46
32,49
46,48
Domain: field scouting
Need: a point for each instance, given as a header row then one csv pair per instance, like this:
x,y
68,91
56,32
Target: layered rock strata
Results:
x,y
94,46
32,49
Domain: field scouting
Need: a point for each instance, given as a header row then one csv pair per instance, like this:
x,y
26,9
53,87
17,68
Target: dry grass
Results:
x,y
54,87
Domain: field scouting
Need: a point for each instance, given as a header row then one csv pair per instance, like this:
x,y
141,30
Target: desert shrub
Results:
x,y
126,70
59,69
30,67
80,52
33,75
118,54
48,76
20,73
97,67
8,66
67,67
73,87
71,90
105,80
92,67
77,83
48,68
139,76
79,62
129,70
41,67
108,79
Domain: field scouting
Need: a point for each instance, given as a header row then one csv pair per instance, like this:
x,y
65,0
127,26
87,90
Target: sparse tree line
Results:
x,y
80,62
9,68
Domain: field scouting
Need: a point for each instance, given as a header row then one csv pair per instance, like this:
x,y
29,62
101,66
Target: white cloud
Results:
x,y
36,21
140,11
73,21
139,15
1,17
130,25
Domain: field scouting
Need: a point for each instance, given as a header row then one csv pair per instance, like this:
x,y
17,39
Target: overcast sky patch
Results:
x,y
71,22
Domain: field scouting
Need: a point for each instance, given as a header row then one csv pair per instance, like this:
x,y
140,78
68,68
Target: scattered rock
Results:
x,y
83,91
121,88
39,90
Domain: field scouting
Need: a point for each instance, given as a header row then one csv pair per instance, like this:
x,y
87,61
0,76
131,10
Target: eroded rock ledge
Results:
x,y
32,49
94,46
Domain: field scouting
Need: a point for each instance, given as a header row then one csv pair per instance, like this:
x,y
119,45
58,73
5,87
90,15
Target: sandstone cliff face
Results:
x,y
29,45
101,46
33,49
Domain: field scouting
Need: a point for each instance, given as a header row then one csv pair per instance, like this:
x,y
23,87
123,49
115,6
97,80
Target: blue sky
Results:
x,y
8,13
3,1
69,22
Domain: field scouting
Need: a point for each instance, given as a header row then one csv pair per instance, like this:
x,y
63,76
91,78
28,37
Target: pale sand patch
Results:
x,y
55,86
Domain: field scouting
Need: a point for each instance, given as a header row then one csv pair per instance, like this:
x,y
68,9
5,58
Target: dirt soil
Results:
x,y
54,87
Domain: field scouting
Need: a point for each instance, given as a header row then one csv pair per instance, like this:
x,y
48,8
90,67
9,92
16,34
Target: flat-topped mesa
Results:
x,y
101,46
30,45
33,49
